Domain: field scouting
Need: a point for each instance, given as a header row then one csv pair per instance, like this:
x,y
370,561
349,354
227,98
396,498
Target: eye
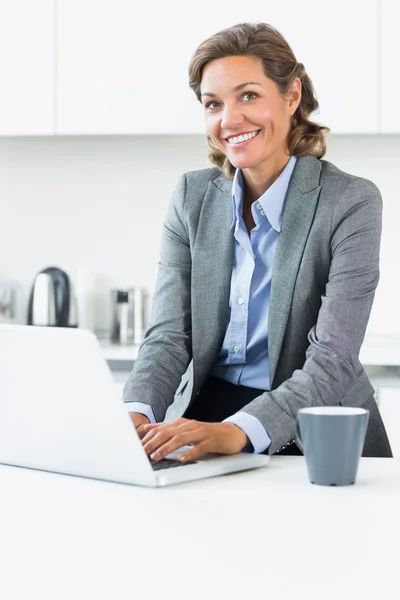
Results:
x,y
212,105
247,96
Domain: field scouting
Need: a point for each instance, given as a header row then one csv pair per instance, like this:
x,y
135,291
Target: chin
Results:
x,y
244,164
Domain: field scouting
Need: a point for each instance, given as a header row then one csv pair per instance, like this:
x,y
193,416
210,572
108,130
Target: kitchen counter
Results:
x,y
266,533
376,350
118,352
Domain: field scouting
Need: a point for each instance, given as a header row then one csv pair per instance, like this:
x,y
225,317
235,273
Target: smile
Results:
x,y
242,138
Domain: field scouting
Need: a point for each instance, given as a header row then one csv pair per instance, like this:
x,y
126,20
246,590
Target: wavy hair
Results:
x,y
263,41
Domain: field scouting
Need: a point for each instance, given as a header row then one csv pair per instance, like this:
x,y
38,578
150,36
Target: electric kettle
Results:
x,y
52,301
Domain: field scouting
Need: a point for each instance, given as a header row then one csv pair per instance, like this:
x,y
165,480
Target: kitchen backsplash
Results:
x,y
95,206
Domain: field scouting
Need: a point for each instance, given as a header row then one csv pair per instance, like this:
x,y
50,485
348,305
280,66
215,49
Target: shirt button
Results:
x,y
263,213
259,206
236,348
240,300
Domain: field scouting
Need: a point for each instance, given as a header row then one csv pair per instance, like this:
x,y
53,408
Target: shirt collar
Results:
x,y
272,201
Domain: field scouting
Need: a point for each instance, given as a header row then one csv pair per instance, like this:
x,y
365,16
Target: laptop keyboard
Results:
x,y
167,463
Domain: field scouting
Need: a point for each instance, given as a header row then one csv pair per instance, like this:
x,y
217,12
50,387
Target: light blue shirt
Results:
x,y
243,358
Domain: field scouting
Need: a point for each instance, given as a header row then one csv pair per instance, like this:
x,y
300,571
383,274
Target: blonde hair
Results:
x,y
280,65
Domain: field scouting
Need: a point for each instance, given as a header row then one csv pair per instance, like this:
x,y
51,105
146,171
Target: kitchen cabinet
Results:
x,y
122,67
27,67
390,53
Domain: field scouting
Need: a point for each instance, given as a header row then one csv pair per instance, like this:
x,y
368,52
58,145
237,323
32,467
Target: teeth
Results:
x,y
242,138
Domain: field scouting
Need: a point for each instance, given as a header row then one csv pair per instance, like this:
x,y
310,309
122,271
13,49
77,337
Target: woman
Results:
x,y
268,269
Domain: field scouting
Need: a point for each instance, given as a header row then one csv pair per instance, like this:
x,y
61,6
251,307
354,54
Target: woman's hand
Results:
x,y
139,421
222,438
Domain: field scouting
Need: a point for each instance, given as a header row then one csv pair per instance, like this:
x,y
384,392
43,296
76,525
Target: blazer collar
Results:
x,y
306,174
223,183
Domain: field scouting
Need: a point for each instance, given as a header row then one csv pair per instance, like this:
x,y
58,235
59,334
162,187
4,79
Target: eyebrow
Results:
x,y
237,88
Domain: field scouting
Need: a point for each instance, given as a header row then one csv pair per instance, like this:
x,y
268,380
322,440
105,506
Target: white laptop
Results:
x,y
60,411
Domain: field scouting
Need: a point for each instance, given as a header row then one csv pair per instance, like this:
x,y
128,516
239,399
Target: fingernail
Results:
x,y
182,458
155,455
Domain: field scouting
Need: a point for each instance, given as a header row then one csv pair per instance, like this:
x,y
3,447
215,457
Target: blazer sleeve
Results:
x,y
332,366
166,350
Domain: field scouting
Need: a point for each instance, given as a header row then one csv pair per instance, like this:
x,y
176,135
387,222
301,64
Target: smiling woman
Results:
x,y
279,83
248,120
257,317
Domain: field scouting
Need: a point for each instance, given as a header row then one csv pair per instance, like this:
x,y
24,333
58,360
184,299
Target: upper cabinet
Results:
x,y
27,67
390,54
122,66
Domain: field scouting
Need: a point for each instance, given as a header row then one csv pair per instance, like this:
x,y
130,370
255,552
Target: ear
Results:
x,y
294,96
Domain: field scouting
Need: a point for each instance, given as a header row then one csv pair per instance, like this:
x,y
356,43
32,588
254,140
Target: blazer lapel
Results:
x,y
298,216
212,267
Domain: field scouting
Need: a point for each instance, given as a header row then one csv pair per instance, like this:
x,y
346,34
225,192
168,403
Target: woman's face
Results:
x,y
246,115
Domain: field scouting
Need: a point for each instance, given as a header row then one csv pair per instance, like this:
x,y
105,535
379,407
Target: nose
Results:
x,y
231,116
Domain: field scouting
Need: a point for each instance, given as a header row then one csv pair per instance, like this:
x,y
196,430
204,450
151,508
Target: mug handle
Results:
x,y
298,436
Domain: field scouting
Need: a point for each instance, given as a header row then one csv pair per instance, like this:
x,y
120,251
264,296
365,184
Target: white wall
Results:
x,y
98,203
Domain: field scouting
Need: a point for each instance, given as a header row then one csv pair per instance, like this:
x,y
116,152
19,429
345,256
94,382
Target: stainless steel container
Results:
x,y
52,301
129,315
8,302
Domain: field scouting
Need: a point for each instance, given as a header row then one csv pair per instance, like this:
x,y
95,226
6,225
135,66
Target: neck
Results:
x,y
258,181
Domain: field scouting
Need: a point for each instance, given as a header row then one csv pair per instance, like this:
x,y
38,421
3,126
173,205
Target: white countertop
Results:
x,y
264,534
376,350
118,351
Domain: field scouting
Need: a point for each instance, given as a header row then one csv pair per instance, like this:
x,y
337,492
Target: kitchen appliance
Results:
x,y
129,315
9,294
52,301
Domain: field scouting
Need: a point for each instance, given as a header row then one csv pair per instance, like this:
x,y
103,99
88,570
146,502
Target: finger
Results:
x,y
182,438
162,437
176,422
150,430
174,426
155,439
140,431
149,435
199,449
158,437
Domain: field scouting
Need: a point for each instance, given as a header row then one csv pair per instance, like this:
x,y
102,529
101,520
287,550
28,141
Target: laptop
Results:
x,y
60,411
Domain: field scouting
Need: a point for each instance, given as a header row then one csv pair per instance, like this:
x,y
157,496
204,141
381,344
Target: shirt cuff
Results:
x,y
142,408
254,430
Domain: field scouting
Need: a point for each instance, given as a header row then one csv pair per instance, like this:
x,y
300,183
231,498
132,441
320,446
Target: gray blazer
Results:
x,y
323,283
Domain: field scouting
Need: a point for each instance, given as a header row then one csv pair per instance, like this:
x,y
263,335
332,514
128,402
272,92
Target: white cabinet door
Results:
x,y
122,66
338,44
26,67
390,54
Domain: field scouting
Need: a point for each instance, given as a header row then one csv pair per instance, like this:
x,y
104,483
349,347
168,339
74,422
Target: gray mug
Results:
x,y
332,440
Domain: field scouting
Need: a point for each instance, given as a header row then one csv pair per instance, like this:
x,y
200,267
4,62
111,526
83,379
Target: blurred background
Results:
x,y
97,123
